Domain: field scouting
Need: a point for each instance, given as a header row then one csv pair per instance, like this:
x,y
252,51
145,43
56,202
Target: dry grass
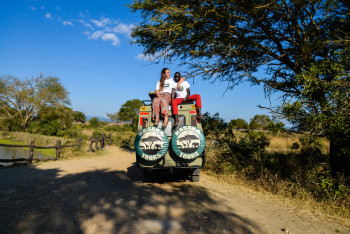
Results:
x,y
42,140
283,191
303,202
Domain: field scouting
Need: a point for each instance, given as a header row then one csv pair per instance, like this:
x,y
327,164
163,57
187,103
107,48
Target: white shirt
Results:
x,y
182,92
168,86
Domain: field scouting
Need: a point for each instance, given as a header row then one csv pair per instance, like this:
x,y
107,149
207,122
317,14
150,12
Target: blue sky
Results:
x,y
86,44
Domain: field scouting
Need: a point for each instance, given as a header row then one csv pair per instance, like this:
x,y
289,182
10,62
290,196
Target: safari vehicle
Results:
x,y
172,149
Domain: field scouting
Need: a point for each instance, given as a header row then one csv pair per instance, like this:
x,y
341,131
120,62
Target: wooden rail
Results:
x,y
32,146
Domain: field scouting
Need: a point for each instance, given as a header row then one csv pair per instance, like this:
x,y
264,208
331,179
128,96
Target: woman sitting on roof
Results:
x,y
161,103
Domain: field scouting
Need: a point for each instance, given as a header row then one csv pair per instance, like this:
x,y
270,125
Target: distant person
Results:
x,y
182,92
160,104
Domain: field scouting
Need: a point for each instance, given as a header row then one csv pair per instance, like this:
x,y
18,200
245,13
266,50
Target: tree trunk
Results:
x,y
339,156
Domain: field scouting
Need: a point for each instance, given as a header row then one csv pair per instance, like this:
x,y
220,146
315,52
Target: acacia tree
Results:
x,y
20,100
260,122
239,124
129,110
113,116
302,45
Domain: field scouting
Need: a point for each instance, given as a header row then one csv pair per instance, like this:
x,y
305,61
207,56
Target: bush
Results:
x,y
119,128
125,140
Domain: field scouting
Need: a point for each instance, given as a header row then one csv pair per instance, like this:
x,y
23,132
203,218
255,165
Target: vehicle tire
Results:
x,y
188,142
151,144
195,175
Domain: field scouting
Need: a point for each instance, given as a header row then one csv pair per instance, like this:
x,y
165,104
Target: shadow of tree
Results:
x,y
42,201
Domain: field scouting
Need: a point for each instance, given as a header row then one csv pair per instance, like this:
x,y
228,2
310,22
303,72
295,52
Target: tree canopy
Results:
x,y
239,124
129,110
79,116
303,46
113,116
260,122
20,100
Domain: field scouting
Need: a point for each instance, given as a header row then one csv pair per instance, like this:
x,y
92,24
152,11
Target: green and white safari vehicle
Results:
x,y
172,149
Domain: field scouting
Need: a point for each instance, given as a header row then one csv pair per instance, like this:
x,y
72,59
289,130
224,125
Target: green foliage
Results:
x,y
302,45
21,100
276,127
125,140
73,132
129,110
79,117
94,122
260,122
52,120
119,128
114,117
213,125
239,124
97,133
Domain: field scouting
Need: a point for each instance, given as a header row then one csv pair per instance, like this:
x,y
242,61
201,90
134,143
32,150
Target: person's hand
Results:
x,y
185,99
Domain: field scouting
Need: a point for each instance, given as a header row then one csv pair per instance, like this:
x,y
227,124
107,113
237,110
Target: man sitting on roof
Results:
x,y
183,94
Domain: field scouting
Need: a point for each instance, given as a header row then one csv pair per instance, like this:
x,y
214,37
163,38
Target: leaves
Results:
x,y
22,99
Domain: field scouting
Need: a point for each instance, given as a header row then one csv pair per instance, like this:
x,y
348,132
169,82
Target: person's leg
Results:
x,y
175,110
198,100
155,110
165,101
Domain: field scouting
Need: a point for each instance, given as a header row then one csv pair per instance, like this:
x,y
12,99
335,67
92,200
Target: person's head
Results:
x,y
177,76
165,74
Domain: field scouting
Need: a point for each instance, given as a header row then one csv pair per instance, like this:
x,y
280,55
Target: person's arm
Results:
x,y
157,93
188,94
172,95
182,79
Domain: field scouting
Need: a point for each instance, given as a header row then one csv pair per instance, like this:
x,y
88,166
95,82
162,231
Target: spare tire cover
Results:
x,y
188,142
151,143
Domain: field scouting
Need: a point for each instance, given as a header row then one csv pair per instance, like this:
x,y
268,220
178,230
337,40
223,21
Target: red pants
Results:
x,y
177,101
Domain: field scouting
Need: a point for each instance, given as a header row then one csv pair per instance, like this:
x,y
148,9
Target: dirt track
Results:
x,y
107,195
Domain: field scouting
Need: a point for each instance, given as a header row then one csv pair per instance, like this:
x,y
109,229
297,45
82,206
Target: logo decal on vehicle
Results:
x,y
188,142
151,143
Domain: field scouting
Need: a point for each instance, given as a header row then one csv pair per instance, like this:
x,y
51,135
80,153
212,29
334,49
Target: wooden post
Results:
x,y
96,142
103,140
90,146
31,155
58,149
110,139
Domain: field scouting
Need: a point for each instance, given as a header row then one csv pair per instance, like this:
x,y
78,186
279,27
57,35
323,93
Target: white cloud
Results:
x,y
33,8
104,37
145,57
67,23
103,22
48,15
111,37
87,25
96,35
104,29
123,28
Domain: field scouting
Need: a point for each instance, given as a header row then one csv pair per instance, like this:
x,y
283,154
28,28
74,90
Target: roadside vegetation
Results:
x,y
291,164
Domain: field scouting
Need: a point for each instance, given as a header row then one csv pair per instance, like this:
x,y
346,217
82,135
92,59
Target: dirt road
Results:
x,y
107,195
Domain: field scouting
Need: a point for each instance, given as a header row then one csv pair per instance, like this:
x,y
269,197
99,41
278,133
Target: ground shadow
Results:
x,y
42,201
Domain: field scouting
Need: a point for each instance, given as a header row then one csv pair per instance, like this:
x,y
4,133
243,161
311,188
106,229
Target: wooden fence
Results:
x,y
32,146
101,141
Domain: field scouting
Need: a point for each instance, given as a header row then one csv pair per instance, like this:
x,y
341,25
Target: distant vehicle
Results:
x,y
172,149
